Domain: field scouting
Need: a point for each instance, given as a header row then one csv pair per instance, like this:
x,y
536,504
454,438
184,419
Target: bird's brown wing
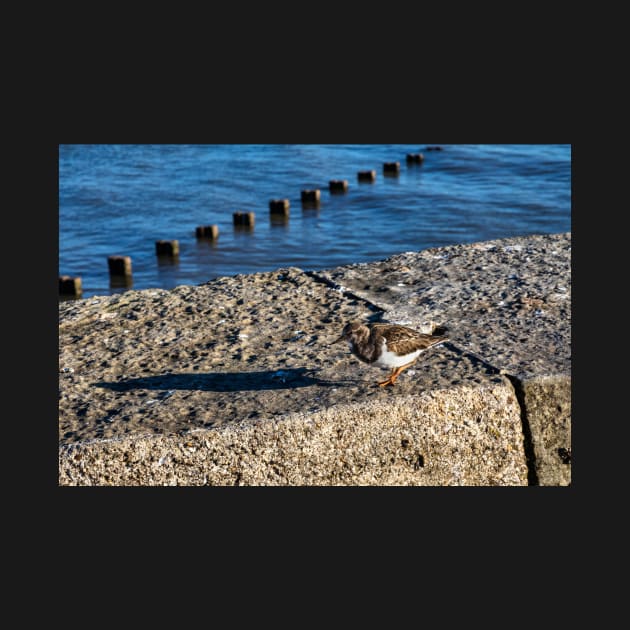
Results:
x,y
403,340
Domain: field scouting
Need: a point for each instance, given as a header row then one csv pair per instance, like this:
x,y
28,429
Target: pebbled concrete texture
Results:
x,y
547,404
469,436
506,301
237,382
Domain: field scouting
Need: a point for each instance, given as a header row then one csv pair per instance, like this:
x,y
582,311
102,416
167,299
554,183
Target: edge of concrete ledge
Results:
x,y
462,436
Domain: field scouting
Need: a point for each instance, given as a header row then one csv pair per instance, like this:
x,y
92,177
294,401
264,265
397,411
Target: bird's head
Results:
x,y
350,331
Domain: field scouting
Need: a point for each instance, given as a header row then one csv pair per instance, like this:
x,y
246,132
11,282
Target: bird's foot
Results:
x,y
389,381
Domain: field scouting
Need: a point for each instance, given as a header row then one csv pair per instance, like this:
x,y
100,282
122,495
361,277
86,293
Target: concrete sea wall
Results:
x,y
237,381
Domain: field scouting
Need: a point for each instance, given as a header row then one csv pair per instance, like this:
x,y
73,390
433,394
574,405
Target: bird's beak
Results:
x,y
340,338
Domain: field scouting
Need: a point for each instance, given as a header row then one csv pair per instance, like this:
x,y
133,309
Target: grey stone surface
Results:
x,y
506,301
248,363
547,401
254,346
509,300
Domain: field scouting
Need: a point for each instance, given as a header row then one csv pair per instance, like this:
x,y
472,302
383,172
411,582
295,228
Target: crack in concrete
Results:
x,y
528,443
519,393
347,293
463,352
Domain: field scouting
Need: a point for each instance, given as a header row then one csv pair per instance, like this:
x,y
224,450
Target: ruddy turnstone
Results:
x,y
387,345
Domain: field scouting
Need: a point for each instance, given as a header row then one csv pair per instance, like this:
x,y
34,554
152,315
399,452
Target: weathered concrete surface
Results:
x,y
546,401
470,436
243,369
509,302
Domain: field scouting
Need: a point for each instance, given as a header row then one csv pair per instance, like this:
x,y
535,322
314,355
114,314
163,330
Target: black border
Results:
x,y
374,101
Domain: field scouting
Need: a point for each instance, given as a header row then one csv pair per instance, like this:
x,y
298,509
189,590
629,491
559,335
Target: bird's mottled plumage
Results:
x,y
387,345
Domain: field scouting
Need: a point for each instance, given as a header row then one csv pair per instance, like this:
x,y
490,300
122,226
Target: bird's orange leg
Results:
x,y
393,377
388,381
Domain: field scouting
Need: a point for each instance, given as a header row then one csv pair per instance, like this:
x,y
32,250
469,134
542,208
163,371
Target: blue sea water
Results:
x,y
118,200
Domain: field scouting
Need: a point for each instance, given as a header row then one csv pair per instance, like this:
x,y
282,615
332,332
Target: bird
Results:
x,y
389,346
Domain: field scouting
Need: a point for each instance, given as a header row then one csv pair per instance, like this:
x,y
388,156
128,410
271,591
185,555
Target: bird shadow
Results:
x,y
223,381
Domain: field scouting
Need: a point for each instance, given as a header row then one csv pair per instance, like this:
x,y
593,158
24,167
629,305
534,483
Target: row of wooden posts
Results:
x,y
120,270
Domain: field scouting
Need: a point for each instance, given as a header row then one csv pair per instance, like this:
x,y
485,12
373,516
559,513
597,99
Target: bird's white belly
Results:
x,y
391,360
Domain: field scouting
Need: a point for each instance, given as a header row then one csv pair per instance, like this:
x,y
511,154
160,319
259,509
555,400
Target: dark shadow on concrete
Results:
x,y
224,381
